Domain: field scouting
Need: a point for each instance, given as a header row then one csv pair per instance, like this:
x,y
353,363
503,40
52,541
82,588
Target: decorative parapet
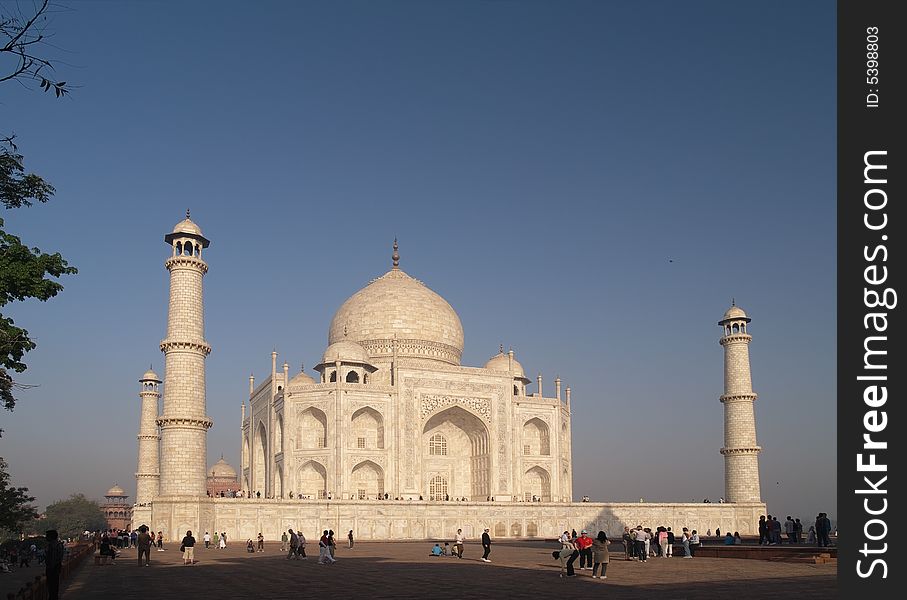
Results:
x,y
184,262
186,422
735,337
731,398
741,451
194,345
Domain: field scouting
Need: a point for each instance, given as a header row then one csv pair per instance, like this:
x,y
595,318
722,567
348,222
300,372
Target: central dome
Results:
x,y
396,305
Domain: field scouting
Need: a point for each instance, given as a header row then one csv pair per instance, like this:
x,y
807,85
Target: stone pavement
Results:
x,y
405,570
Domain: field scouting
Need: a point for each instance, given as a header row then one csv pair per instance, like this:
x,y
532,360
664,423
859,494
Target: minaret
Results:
x,y
148,475
184,423
741,453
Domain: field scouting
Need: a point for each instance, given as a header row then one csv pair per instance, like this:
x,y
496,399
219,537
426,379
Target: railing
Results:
x,y
37,589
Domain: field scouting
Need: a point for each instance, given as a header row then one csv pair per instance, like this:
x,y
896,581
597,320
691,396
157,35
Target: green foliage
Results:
x,y
16,510
72,517
24,271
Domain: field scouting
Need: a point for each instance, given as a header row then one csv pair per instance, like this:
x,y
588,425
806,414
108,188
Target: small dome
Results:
x,y
222,470
187,226
734,313
345,351
501,362
301,378
150,376
115,491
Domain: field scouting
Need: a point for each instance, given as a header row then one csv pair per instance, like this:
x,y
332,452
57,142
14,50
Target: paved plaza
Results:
x,y
405,570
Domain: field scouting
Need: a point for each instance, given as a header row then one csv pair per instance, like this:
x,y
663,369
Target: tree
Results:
x,y
21,35
24,271
72,517
15,504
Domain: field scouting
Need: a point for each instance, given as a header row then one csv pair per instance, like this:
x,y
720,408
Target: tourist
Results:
x,y
566,555
663,542
143,543
284,538
207,539
584,545
629,544
823,528
217,540
332,543
729,539
737,539
223,540
133,538
694,543
789,529
798,531
763,530
811,535
294,545
160,541
188,548
261,542
250,546
685,540
436,550
776,531
459,539
446,551
486,546
349,537
670,550
53,563
717,532
648,540
640,537
600,556
324,553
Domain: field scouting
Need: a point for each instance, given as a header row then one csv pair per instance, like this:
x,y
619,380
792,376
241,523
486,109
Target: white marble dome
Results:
x,y
222,469
501,362
734,313
395,304
150,376
345,351
187,226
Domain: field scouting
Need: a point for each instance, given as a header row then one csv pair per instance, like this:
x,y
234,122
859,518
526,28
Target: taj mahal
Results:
x,y
390,435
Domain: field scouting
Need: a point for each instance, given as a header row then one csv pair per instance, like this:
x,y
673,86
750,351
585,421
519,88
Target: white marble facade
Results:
x,y
391,412
390,436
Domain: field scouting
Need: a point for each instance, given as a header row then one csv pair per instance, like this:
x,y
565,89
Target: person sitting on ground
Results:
x,y
446,551
729,539
436,550
737,539
250,546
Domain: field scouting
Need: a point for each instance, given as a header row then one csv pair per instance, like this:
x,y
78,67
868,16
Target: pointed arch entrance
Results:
x,y
455,447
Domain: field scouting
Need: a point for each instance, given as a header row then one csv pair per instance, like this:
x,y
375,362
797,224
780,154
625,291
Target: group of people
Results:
x,y
642,543
770,529
592,553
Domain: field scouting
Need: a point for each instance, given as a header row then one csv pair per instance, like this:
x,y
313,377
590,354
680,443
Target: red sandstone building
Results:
x,y
222,478
117,511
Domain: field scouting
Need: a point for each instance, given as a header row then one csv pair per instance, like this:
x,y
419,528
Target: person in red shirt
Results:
x,y
584,545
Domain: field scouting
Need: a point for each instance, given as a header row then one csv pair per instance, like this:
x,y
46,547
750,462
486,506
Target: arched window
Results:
x,y
735,328
352,377
437,488
333,376
516,391
179,248
437,446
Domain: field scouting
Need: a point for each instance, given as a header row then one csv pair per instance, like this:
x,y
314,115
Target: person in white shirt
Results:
x,y
458,543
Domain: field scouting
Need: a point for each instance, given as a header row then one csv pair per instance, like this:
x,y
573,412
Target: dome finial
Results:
x,y
502,348
396,255
733,301
187,213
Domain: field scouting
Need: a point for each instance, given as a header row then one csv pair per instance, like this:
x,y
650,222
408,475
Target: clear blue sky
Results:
x,y
542,163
